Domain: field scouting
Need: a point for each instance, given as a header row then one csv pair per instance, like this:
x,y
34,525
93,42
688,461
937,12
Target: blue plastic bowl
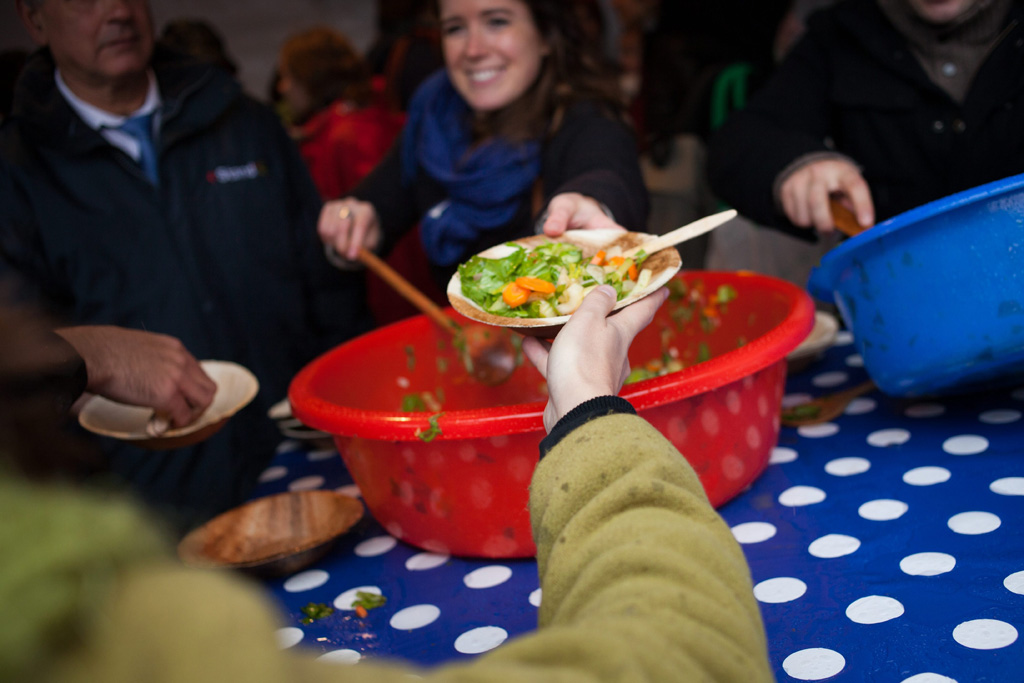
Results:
x,y
934,297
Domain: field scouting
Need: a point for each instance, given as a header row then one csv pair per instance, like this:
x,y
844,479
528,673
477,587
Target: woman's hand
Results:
x,y
574,211
143,369
346,225
588,357
804,195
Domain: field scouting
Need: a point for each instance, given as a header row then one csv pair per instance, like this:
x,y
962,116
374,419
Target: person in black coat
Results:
x,y
884,104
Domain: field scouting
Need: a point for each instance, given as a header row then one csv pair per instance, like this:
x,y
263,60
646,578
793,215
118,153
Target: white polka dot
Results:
x,y
307,580
790,400
753,438
861,406
395,529
733,466
814,664
273,474
888,437
313,481
797,496
403,382
1015,583
753,532
927,564
874,609
288,637
487,577
782,589
499,440
781,455
415,617
733,403
830,379
709,421
287,446
929,677
845,467
833,545
966,444
480,640
855,361
821,431
882,510
340,657
985,634
926,476
763,406
325,454
1000,417
378,545
351,490
925,410
1008,486
535,597
843,338
345,600
974,523
424,561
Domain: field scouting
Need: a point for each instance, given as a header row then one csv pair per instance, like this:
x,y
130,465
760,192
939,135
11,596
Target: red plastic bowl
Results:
x,y
465,491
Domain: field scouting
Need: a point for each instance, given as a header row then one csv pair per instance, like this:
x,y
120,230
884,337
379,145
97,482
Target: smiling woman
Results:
x,y
525,120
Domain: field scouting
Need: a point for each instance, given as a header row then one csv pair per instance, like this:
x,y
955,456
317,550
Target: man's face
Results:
x,y
941,11
97,43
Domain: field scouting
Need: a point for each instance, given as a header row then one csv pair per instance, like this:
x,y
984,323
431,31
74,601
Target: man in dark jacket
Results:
x,y
887,104
206,238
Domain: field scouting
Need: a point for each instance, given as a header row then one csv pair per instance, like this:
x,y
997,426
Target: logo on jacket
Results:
x,y
233,174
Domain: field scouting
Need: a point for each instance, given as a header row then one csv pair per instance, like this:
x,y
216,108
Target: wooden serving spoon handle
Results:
x,y
680,235
844,219
407,290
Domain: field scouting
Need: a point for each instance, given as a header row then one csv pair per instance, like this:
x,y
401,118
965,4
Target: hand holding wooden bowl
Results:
x,y
236,387
662,261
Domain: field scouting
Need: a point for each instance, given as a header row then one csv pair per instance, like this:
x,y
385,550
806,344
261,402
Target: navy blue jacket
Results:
x,y
222,255
852,85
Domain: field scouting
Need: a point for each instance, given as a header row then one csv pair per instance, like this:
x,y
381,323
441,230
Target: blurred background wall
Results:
x,y
252,29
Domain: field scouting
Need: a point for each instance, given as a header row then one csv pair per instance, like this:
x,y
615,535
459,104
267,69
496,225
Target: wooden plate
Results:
x,y
236,387
274,535
663,265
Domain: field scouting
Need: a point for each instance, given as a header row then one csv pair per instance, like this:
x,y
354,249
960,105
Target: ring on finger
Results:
x,y
344,213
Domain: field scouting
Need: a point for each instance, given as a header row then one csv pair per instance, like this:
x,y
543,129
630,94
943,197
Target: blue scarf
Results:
x,y
485,185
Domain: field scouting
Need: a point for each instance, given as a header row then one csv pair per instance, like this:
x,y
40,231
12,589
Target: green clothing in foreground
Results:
x,y
642,581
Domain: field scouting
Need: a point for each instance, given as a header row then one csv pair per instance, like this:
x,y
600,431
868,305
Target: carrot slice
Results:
x,y
616,260
361,611
633,274
535,284
514,295
598,259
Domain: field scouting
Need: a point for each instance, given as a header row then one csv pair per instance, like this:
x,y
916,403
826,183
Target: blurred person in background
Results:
x,y
198,38
147,201
641,578
339,122
883,104
524,130
406,49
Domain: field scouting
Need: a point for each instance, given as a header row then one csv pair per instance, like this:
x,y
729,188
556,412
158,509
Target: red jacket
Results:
x,y
341,144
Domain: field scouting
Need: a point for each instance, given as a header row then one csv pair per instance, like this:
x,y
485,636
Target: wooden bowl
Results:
x,y
236,387
274,535
663,265
822,335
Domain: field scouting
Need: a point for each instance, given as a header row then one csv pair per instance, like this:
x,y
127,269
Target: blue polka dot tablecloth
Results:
x,y
887,545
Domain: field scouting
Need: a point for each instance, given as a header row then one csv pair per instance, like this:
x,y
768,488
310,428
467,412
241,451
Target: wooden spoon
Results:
x,y
824,408
680,235
844,219
487,352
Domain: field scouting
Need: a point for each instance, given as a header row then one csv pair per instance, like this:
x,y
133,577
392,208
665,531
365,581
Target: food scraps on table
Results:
x,y
366,601
549,280
314,611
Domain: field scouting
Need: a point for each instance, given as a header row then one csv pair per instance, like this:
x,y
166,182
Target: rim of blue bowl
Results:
x,y
822,281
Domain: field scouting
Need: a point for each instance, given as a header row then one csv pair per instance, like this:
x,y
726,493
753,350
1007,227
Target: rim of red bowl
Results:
x,y
755,355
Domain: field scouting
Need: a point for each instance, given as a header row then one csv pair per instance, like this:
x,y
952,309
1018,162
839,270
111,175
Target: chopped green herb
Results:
x,y
413,403
703,352
314,611
442,364
369,600
428,435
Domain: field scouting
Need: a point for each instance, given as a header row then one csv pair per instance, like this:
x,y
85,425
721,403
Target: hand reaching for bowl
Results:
x,y
805,194
346,225
588,357
143,369
574,211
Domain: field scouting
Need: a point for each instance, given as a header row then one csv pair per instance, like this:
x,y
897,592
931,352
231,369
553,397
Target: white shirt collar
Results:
x,y
99,119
